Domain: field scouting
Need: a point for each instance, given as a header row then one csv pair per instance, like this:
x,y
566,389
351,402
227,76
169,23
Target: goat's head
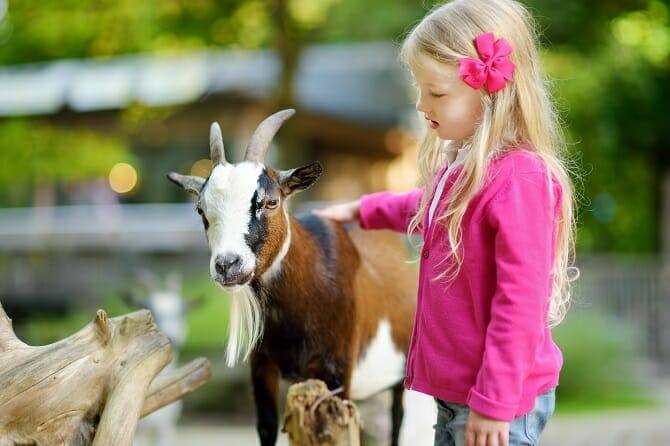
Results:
x,y
164,300
243,206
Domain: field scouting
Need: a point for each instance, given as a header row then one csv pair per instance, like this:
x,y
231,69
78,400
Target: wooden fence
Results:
x,y
635,290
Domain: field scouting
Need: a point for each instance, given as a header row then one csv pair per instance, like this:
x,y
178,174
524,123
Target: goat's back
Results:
x,y
385,257
386,282
385,288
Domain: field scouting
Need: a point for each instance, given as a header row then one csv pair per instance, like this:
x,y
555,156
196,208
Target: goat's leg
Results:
x,y
265,378
336,373
397,412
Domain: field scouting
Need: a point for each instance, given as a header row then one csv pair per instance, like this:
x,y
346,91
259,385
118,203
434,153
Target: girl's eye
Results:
x,y
271,204
435,95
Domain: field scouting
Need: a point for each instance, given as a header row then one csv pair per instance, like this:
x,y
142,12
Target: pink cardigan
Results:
x,y
484,340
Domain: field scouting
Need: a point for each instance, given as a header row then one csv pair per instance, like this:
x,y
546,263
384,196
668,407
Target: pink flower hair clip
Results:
x,y
493,68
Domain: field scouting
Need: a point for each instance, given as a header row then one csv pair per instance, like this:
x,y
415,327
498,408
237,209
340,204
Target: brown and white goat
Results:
x,y
310,299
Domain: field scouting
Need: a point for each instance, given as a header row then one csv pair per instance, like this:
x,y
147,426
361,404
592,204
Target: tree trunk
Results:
x,y
314,416
90,388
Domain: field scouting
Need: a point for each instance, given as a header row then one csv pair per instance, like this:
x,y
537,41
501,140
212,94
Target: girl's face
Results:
x,y
451,108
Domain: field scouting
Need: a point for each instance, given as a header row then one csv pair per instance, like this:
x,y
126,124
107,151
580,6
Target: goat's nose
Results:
x,y
225,264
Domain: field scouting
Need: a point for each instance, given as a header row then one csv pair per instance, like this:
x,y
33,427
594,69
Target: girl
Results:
x,y
496,214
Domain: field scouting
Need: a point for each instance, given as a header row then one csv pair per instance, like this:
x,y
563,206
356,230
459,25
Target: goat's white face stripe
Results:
x,y
226,202
261,196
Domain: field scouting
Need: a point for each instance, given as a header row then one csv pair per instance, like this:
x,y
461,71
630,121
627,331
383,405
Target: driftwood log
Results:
x,y
90,388
315,416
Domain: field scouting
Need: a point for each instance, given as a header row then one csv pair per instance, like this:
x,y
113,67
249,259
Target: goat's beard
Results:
x,y
245,325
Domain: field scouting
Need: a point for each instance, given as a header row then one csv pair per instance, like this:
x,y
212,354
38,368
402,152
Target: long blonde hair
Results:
x,y
522,113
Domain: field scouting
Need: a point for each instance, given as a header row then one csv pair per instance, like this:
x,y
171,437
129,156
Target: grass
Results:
x,y
207,322
621,402
601,365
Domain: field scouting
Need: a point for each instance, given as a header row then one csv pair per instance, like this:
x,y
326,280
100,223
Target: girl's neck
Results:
x,y
452,150
455,146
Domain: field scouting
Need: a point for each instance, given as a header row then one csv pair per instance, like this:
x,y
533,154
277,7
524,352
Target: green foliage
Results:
x,y
611,100
53,29
33,153
578,24
600,364
352,21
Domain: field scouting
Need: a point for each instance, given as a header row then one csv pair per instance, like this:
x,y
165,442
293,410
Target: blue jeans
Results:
x,y
524,430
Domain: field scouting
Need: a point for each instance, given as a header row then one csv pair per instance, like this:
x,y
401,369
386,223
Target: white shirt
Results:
x,y
460,156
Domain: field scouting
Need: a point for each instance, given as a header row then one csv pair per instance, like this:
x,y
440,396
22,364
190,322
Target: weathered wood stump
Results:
x,y
315,416
90,388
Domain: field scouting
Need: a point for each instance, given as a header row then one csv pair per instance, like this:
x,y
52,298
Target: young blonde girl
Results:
x,y
495,208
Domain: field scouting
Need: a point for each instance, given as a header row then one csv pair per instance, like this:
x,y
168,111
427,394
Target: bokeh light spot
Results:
x,y
201,168
122,178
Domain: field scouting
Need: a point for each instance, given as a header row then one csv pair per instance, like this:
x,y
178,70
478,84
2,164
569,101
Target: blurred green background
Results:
x,y
608,61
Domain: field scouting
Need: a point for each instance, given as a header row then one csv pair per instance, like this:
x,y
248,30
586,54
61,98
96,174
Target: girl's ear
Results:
x,y
301,178
188,183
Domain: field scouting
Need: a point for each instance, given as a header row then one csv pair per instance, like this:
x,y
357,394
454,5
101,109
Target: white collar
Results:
x,y
460,154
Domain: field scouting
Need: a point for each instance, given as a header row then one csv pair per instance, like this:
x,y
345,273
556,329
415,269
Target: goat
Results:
x,y
169,310
309,297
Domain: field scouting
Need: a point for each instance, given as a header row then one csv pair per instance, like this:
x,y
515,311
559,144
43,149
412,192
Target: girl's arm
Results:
x,y
523,215
389,210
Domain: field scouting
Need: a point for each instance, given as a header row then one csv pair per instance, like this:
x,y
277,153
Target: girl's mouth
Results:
x,y
433,124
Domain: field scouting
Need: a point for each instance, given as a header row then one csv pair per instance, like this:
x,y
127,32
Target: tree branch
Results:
x,y
175,385
8,339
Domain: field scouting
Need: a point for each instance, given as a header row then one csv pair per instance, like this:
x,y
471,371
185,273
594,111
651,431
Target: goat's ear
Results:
x,y
131,298
189,183
301,178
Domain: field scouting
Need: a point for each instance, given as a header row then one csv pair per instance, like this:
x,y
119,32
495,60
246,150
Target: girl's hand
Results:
x,y
484,431
343,213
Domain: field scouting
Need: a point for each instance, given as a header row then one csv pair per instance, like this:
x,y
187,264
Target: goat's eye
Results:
x,y
205,222
271,204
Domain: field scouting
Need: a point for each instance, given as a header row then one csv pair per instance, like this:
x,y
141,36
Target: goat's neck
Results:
x,y
297,275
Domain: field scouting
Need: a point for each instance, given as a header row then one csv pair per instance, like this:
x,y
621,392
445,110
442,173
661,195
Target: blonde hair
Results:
x,y
522,113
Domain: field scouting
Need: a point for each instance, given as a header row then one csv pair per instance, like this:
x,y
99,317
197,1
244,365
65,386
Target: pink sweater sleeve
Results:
x,y
522,215
389,210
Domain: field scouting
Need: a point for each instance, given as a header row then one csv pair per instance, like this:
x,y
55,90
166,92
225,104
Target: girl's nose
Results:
x,y
420,106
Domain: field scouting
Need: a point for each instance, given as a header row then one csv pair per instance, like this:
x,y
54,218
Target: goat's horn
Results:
x,y
262,137
217,154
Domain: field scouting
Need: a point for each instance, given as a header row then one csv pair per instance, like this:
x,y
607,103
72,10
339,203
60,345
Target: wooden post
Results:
x,y
315,416
90,388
